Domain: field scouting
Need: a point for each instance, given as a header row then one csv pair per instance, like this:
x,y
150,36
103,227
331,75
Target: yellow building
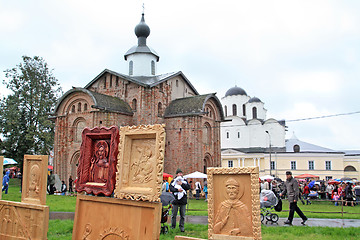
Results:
x,y
300,157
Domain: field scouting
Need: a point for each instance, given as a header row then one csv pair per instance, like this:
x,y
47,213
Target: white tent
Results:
x,y
267,177
196,175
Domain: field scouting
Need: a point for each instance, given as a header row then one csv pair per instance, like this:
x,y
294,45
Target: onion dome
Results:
x,y
235,91
142,31
254,99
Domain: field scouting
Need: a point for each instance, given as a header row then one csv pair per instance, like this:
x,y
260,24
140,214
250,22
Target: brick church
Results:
x,y
192,121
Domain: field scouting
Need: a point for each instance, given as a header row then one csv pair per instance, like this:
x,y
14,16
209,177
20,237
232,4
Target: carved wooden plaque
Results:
x,y
101,218
234,203
98,158
23,221
1,171
140,163
34,179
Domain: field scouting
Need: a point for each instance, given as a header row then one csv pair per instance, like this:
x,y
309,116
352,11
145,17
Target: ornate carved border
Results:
x,y
35,179
89,137
1,170
140,178
253,173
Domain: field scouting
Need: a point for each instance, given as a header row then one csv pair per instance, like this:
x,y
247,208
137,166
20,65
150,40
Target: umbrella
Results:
x,y
312,184
8,161
166,198
50,168
196,175
166,175
267,177
333,182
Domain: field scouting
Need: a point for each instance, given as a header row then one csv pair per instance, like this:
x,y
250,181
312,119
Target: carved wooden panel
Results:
x,y
140,163
34,179
98,158
115,219
234,203
186,238
1,171
23,221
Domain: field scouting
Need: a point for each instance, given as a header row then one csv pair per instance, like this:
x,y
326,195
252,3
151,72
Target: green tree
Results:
x,y
24,121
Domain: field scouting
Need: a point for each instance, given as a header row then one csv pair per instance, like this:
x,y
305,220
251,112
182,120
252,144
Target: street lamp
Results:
x,y
269,149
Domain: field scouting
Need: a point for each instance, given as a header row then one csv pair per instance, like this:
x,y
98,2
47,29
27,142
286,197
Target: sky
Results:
x,y
301,58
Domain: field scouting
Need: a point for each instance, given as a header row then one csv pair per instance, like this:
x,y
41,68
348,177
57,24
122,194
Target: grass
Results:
x,y
62,229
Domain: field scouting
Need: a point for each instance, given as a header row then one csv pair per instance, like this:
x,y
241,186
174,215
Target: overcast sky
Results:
x,y
301,58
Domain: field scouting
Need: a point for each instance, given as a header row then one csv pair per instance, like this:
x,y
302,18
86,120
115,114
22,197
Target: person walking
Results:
x,y
198,190
292,190
306,193
5,183
70,184
178,187
205,190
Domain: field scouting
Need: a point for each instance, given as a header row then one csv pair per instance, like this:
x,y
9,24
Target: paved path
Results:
x,y
312,222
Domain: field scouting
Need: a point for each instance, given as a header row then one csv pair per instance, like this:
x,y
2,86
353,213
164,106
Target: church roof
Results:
x,y
194,105
306,147
145,81
235,91
254,99
101,101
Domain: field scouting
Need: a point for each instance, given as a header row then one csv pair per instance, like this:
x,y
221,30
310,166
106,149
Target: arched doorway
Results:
x,y
207,162
74,162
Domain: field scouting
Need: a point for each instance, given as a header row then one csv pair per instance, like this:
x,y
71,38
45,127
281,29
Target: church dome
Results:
x,y
142,29
254,99
235,91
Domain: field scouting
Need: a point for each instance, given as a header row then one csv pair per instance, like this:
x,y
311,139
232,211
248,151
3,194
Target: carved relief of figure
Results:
x,y
143,167
34,186
6,225
99,167
233,216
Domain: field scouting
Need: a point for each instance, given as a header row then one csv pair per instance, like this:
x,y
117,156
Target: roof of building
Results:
x,y
101,101
145,81
235,91
194,105
254,99
306,147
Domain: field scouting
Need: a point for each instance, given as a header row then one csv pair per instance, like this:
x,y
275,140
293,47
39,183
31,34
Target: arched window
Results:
x,y
117,81
131,67
244,110
110,81
160,109
177,83
234,110
134,103
238,134
207,133
73,109
85,107
227,134
153,67
105,82
254,112
296,148
225,108
349,169
79,107
79,125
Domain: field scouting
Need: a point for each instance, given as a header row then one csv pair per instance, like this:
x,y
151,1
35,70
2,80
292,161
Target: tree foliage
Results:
x,y
24,121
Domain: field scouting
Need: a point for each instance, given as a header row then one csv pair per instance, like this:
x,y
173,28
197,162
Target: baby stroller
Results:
x,y
166,199
268,201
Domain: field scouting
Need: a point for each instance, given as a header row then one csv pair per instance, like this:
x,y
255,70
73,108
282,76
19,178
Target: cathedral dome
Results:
x,y
254,99
235,91
142,29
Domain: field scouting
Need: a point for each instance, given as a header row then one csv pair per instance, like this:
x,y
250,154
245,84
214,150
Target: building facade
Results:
x,y
192,121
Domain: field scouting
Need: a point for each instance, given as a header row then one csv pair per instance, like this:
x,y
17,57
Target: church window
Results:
x,y
296,148
177,83
79,107
234,110
244,110
79,125
349,169
159,109
73,109
227,134
238,134
207,133
293,165
117,81
161,87
230,163
134,102
131,67
110,81
152,67
85,107
254,112
225,109
272,165
327,165
105,82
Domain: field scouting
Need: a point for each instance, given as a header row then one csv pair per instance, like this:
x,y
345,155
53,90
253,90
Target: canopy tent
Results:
x,y
196,175
306,175
8,161
266,177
